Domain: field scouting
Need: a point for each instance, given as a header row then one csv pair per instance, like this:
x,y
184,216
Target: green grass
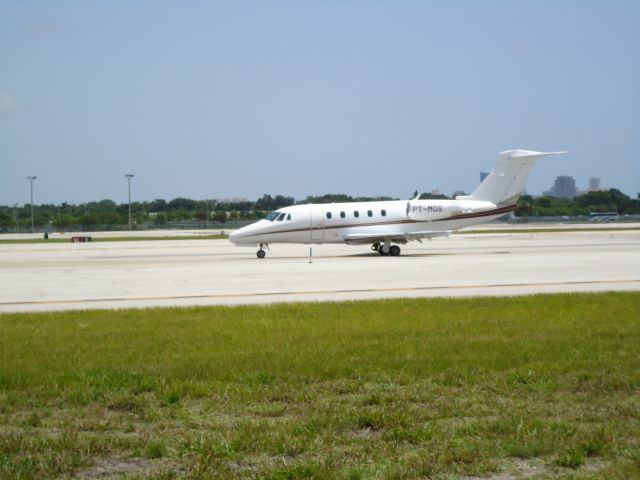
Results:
x,y
438,388
113,239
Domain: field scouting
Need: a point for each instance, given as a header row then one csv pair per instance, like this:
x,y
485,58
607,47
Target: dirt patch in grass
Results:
x,y
516,470
114,467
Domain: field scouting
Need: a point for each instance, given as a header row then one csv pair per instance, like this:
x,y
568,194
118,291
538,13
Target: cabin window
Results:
x,y
356,213
329,215
341,214
272,216
289,217
383,212
370,213
281,216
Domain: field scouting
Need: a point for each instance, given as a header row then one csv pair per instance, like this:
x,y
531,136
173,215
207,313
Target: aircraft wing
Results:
x,y
365,238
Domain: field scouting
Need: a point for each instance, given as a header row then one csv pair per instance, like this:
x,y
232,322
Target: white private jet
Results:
x,y
385,223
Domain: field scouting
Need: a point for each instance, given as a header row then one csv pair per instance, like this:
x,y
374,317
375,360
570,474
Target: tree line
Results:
x,y
612,200
161,212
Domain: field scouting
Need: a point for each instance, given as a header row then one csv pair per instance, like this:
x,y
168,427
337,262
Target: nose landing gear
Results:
x,y
261,253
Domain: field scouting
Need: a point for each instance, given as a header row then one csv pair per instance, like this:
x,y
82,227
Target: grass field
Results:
x,y
543,386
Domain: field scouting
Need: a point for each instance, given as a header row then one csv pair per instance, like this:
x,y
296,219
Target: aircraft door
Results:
x,y
316,225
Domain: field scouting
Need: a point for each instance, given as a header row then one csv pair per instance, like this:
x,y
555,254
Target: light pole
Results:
x,y
31,178
129,177
15,214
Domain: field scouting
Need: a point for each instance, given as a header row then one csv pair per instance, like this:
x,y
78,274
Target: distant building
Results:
x,y
231,200
563,187
483,175
594,184
458,192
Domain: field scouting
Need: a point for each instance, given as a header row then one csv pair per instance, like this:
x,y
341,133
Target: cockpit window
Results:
x,y
281,217
272,216
289,217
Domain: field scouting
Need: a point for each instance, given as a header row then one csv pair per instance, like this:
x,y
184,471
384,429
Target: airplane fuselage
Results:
x,y
358,222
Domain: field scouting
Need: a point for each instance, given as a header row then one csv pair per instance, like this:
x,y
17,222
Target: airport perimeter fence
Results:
x,y
141,227
567,219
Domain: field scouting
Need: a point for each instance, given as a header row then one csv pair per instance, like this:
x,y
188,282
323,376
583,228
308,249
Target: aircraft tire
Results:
x,y
394,250
381,252
261,253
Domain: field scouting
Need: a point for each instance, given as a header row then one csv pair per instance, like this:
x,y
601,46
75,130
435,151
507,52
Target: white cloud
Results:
x,y
8,102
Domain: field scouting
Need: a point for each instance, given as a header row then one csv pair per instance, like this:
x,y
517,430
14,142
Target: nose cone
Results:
x,y
243,235
234,236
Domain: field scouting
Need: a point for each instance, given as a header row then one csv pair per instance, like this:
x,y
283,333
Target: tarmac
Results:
x,y
159,273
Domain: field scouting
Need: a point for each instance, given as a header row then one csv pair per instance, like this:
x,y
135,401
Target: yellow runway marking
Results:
x,y
316,292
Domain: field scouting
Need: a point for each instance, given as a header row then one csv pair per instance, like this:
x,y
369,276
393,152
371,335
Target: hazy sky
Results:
x,y
207,99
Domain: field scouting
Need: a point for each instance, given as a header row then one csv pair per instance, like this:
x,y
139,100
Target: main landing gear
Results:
x,y
261,253
386,249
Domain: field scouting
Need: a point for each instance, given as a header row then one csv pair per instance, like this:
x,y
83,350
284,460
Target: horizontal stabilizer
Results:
x,y
527,154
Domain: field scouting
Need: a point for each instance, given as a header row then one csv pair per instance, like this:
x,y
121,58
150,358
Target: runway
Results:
x,y
61,276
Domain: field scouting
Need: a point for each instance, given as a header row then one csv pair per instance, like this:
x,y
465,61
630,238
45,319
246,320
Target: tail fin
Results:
x,y
506,182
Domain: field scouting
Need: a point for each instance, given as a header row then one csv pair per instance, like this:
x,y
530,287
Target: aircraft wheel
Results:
x,y
394,250
382,252
261,253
